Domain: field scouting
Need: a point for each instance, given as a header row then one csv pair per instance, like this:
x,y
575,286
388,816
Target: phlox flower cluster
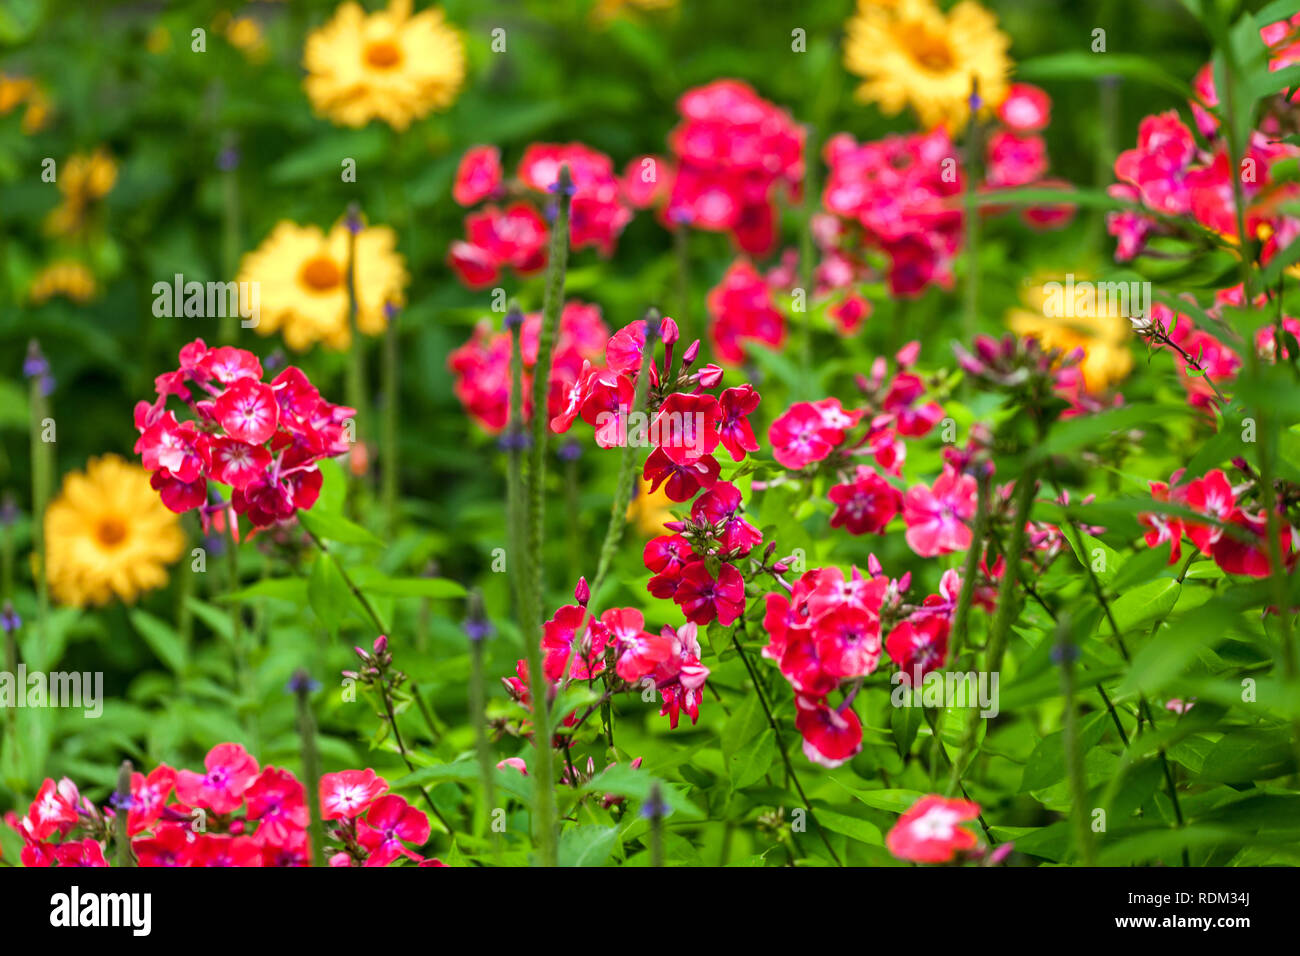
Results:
x,y
232,813
732,154
263,440
515,236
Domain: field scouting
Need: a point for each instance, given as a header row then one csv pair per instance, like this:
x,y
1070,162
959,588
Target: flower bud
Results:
x,y
710,375
582,593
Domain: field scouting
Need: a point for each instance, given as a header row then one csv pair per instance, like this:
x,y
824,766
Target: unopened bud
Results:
x,y
582,593
710,375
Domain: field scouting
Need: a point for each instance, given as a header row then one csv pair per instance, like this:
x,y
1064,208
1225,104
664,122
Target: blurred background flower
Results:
x,y
388,65
910,53
108,535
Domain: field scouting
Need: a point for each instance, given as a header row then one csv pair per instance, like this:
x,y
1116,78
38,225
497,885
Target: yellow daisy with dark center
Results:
x,y
389,65
302,279
107,534
910,53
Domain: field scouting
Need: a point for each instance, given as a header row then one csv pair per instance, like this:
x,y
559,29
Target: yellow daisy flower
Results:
x,y
84,179
108,534
387,65
1103,335
302,277
245,34
910,53
67,278
647,511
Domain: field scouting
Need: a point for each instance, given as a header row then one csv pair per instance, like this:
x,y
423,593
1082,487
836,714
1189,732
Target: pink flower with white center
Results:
x,y
639,651
278,801
344,795
929,831
918,647
800,436
848,641
936,517
228,365
703,598
686,427
234,462
478,177
230,770
830,737
389,824
681,481
248,411
734,430
171,445
1026,108
51,811
148,797
1212,496
680,677
866,505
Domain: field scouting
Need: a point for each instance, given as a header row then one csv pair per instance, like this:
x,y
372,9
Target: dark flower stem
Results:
x,y
736,633
121,837
528,606
310,770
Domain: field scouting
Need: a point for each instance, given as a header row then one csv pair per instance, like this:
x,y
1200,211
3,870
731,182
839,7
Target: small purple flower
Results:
x,y
35,364
9,619
353,219
301,683
477,629
655,807
571,450
228,159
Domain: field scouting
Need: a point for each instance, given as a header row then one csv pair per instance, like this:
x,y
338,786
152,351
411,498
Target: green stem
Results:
x,y
121,837
970,314
229,236
389,464
527,604
970,570
1073,753
552,306
42,474
736,633
1008,610
478,712
807,256
310,769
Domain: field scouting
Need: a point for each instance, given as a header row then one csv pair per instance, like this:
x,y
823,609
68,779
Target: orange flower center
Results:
x,y
930,50
383,54
110,532
321,274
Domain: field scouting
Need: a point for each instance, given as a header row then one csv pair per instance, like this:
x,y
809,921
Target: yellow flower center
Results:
x,y
930,50
383,54
321,274
110,532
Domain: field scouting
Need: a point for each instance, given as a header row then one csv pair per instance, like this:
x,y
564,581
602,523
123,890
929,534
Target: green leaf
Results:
x,y
1145,603
587,845
162,638
854,828
293,590
1046,765
335,527
1081,65
414,587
